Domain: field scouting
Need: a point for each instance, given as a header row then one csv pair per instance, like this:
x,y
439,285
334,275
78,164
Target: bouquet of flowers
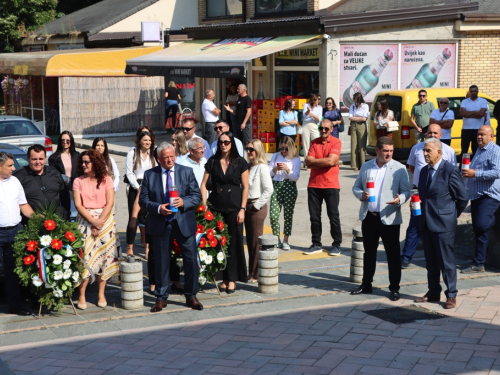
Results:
x,y
48,252
213,239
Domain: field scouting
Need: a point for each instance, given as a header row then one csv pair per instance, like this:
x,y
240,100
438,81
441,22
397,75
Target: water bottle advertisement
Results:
x,y
367,69
428,65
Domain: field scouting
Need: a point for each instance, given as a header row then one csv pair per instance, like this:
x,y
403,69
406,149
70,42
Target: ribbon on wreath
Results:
x,y
42,265
198,238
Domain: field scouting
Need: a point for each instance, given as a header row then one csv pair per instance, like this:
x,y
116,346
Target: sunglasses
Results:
x,y
86,162
187,129
219,128
324,129
422,96
65,140
443,103
225,143
249,149
284,149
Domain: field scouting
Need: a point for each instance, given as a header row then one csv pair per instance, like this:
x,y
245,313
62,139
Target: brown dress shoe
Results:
x,y
427,298
451,303
158,306
194,303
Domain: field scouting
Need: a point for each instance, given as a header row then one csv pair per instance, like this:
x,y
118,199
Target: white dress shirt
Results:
x,y
11,197
134,174
206,108
293,165
116,174
473,105
317,111
378,175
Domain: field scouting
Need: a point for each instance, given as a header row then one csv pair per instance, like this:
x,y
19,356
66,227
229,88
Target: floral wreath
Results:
x,y
212,237
48,254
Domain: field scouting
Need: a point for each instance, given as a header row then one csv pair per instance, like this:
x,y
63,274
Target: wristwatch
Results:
x,y
243,208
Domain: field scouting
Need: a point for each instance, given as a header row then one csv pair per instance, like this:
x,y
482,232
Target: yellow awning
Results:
x,y
212,57
77,63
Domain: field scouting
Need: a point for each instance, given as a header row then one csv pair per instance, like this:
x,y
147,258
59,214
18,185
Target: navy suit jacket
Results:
x,y
445,200
153,195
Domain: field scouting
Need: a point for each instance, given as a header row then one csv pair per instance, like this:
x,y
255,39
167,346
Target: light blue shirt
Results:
x,y
288,116
198,169
486,164
239,147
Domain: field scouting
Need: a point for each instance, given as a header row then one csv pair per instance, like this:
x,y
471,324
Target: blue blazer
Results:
x,y
445,200
153,195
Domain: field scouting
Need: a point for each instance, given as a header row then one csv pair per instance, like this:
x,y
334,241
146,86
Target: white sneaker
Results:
x,y
285,246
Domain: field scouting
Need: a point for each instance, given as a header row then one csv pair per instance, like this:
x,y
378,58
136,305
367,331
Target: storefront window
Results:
x,y
186,88
264,7
296,83
223,8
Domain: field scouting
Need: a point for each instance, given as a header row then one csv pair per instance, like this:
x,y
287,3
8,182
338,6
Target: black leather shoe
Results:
x,y
158,306
194,303
394,296
19,311
362,289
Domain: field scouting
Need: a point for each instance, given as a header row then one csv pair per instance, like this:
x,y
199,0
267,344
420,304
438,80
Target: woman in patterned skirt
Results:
x,y
94,198
285,171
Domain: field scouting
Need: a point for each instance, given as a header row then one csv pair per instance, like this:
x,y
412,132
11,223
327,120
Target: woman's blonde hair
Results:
x,y
181,140
171,84
290,144
260,152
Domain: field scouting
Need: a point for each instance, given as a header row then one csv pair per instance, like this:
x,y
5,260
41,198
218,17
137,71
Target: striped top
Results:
x,y
486,164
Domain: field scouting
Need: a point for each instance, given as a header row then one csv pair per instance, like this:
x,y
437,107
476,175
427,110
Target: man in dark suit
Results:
x,y
443,198
164,226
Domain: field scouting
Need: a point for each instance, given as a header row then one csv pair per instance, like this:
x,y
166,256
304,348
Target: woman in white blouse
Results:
x,y
260,190
358,114
285,171
139,159
311,116
382,118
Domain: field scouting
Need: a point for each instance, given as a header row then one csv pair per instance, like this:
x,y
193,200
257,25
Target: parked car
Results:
x,y
401,103
20,157
20,131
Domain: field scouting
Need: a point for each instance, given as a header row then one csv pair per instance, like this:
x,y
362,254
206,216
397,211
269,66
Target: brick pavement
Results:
x,y
325,338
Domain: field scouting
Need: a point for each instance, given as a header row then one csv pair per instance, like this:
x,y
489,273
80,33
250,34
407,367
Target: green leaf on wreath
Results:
x,y
64,287
67,282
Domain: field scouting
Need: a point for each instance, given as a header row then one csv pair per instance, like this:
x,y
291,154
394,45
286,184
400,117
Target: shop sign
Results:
x,y
65,47
305,56
21,70
34,48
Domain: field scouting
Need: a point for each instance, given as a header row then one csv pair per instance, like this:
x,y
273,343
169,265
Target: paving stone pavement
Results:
x,y
325,335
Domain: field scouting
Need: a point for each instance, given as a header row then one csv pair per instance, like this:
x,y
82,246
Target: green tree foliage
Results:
x,y
19,17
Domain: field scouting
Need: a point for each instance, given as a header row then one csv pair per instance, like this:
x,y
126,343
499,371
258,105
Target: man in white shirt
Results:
x,y
211,114
473,110
444,117
13,202
221,127
416,161
195,160
189,127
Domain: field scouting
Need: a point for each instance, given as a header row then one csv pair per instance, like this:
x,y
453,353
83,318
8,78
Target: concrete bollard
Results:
x,y
268,264
132,285
357,253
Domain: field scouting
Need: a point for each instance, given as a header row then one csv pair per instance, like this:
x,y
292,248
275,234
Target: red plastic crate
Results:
x,y
257,104
268,137
279,103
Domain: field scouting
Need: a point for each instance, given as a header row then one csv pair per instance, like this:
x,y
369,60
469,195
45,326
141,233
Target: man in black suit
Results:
x,y
443,198
164,226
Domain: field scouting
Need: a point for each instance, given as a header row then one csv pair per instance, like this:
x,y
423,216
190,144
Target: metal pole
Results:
x,y
43,108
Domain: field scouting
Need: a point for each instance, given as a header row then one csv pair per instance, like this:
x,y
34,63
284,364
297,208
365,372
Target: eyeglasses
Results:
x,y
225,143
249,149
219,128
284,149
187,129
324,129
202,148
328,103
168,158
421,96
86,162
443,103
65,140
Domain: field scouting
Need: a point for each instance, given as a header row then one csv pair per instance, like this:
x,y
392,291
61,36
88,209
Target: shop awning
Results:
x,y
216,58
76,63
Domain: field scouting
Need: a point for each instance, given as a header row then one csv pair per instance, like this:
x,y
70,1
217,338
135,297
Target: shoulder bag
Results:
x,y
393,126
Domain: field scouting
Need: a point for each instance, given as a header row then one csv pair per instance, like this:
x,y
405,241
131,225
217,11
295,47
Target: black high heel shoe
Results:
x,y
230,291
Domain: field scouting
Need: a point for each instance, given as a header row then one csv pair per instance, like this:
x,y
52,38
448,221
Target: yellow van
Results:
x,y
401,103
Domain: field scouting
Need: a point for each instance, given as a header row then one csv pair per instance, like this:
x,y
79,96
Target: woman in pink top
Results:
x,y
94,198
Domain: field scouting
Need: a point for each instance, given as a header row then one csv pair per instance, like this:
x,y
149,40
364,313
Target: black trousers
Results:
x,y
315,198
162,247
440,257
12,289
236,269
373,229
469,137
132,194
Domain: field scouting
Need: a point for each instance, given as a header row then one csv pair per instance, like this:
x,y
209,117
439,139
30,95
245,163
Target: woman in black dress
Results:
x,y
229,193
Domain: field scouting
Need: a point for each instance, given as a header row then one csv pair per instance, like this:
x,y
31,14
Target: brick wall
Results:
x,y
478,62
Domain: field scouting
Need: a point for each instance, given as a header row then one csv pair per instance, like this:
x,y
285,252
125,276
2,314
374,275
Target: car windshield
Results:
x,y
20,161
11,128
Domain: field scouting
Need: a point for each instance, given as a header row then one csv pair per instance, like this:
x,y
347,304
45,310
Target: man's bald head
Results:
x,y
434,131
485,135
488,129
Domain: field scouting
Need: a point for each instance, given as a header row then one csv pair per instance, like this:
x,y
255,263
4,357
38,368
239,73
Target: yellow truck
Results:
x,y
401,103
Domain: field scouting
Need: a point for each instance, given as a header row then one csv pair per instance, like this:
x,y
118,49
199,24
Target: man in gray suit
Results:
x,y
444,197
380,213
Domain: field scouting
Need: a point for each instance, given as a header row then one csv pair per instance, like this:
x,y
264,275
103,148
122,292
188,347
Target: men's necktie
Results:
x,y
431,175
167,195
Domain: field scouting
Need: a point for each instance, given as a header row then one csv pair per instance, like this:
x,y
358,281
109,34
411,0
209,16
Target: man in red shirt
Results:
x,y
323,160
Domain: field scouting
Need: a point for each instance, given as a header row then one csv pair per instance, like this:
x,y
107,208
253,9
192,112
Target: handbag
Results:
x,y
299,129
393,126
341,125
